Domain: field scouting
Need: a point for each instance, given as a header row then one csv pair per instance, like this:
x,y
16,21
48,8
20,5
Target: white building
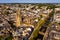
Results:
x,y
57,9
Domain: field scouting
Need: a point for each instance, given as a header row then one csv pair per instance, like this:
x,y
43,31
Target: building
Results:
x,y
57,17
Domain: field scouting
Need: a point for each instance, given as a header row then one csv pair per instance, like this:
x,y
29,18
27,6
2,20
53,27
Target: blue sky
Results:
x,y
29,1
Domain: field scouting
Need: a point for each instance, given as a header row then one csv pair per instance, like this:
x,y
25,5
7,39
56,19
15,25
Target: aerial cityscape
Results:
x,y
29,21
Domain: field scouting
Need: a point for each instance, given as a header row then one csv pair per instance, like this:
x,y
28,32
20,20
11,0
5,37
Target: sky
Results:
x,y
29,1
